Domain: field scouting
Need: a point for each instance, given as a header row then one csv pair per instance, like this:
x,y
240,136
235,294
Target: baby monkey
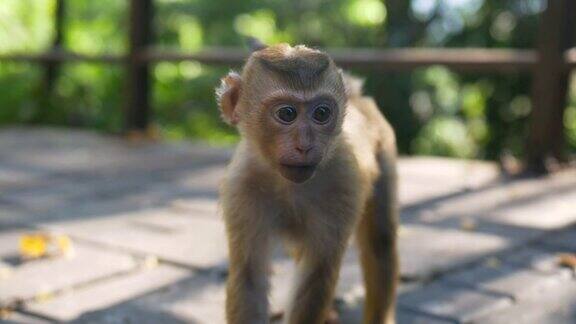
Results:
x,y
316,160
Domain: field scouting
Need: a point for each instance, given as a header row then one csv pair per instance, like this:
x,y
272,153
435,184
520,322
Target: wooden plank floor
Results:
x,y
150,246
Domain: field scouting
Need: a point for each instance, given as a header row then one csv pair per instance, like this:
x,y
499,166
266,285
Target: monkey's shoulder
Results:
x,y
364,116
369,135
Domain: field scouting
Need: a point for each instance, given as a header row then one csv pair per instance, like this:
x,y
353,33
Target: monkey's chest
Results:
x,y
323,211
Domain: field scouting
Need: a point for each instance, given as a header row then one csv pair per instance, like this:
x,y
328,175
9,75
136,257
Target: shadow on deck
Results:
x,y
150,244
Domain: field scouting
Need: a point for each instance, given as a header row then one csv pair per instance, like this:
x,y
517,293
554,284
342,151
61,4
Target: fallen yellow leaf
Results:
x,y
33,246
38,245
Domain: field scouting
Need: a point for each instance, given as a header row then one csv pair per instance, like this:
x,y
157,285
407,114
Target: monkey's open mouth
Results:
x,y
297,172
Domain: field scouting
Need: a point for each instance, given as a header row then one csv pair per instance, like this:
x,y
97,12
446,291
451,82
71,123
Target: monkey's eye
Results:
x,y
286,114
321,114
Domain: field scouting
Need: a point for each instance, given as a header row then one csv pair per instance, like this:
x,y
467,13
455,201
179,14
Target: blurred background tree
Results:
x,y
435,111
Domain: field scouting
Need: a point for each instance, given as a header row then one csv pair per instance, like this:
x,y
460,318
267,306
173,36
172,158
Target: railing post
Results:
x,y
137,109
549,88
51,72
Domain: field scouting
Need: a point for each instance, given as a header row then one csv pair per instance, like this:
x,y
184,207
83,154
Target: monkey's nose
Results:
x,y
303,150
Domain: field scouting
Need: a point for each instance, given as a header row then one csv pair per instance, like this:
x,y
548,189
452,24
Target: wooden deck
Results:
x,y
150,248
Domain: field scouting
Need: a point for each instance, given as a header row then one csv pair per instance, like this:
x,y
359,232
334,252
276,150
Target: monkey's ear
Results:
x,y
227,95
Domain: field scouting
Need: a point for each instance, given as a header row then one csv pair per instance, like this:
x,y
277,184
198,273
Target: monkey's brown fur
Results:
x,y
308,184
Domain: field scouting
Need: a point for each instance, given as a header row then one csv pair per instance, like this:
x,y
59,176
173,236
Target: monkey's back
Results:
x,y
369,134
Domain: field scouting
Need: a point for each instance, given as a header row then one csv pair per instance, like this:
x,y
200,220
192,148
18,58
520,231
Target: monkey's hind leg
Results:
x,y
378,248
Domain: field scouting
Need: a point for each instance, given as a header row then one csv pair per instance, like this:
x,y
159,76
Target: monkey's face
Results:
x,y
289,102
297,132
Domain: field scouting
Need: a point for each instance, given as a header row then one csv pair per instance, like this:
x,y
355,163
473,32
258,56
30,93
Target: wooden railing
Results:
x,y
549,64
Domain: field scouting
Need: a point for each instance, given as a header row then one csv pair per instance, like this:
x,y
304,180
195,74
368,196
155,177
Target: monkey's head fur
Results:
x,y
288,104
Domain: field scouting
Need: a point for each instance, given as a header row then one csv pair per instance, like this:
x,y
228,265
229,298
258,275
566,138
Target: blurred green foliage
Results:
x,y
435,111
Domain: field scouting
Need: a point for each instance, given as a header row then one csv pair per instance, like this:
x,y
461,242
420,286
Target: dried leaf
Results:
x,y
468,224
493,262
567,260
5,313
150,135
